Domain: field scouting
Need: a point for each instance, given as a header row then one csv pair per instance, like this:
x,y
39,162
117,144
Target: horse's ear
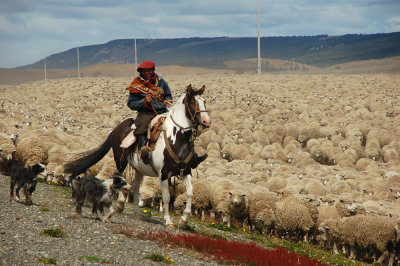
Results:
x,y
200,92
189,91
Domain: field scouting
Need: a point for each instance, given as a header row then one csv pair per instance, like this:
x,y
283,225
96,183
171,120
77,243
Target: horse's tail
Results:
x,y
87,159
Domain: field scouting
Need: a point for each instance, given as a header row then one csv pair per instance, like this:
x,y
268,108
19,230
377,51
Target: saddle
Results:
x,y
154,131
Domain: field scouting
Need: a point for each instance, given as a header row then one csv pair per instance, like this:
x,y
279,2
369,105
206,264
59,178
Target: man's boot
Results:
x,y
145,151
197,160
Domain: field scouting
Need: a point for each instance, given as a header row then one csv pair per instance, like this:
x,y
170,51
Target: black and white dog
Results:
x,y
25,177
99,192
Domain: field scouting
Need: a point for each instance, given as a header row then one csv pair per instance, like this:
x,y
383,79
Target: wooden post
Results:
x,y
258,40
135,72
45,70
79,70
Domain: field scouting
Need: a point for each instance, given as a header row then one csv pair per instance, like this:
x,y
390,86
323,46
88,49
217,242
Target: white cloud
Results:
x,y
31,30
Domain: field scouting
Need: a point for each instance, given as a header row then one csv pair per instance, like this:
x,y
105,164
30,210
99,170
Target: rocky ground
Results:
x,y
88,241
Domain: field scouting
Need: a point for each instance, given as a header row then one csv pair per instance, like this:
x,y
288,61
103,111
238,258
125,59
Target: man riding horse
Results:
x,y
149,95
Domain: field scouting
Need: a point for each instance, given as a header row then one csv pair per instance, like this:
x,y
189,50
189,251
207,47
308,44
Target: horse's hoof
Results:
x,y
182,223
119,209
170,226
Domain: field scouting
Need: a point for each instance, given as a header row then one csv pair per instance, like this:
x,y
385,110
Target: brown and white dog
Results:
x,y
99,192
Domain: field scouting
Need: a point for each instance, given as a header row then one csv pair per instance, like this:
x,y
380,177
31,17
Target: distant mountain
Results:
x,y
317,51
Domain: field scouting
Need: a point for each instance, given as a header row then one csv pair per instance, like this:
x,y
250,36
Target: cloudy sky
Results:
x,y
33,29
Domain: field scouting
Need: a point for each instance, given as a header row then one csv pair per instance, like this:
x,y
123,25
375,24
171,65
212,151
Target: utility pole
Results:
x,y
79,70
135,56
45,74
258,40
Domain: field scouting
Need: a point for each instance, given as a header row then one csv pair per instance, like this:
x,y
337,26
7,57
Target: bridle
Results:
x,y
191,114
183,163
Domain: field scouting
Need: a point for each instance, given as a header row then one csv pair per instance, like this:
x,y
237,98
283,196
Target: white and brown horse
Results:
x,y
172,154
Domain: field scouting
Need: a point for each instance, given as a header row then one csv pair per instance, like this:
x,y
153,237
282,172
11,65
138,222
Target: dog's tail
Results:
x,y
86,159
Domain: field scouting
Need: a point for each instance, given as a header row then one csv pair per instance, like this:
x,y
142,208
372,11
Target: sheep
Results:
x,y
348,158
238,206
219,199
214,146
261,210
150,192
274,184
363,163
292,130
365,234
201,201
296,216
390,155
346,206
326,212
315,187
275,133
336,139
7,149
299,158
273,152
353,131
208,137
313,146
57,155
31,151
260,137
108,169
372,149
239,152
329,152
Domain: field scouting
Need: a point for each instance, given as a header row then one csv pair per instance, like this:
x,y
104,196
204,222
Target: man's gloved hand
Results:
x,y
166,102
147,99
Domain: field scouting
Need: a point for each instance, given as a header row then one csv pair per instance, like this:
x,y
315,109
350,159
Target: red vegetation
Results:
x,y
225,251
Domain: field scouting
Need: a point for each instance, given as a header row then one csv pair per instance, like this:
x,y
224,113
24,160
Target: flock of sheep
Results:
x,y
308,157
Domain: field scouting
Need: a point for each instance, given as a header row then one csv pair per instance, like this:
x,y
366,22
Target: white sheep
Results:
x,y
261,210
275,183
313,146
329,152
296,216
372,149
7,149
219,198
31,151
315,187
390,154
260,137
365,234
201,201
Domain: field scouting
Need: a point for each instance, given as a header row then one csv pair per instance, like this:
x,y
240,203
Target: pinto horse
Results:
x,y
172,154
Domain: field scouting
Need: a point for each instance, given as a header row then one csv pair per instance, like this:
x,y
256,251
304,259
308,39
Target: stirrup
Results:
x,y
145,154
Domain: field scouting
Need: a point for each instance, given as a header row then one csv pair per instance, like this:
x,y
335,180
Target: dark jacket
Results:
x,y
146,113
136,100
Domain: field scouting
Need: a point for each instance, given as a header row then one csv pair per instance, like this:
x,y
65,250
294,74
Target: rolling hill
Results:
x,y
216,53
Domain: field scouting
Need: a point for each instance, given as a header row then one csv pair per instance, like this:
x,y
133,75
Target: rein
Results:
x,y
193,115
183,163
180,163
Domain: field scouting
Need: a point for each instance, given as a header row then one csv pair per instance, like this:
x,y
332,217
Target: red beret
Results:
x,y
146,65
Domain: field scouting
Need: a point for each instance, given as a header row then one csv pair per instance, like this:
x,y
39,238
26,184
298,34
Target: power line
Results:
x,y
337,7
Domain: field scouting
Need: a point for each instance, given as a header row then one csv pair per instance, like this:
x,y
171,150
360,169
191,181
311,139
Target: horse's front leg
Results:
x,y
166,198
188,209
136,188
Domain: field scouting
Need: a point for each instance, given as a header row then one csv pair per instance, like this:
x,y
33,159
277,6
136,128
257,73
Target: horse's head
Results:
x,y
196,106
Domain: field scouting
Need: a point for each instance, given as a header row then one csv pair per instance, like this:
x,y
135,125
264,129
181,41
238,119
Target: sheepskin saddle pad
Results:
x,y
153,133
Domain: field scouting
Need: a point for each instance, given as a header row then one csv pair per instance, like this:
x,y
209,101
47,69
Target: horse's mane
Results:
x,y
175,102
